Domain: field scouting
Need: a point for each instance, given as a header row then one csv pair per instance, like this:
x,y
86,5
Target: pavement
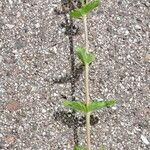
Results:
x,y
39,70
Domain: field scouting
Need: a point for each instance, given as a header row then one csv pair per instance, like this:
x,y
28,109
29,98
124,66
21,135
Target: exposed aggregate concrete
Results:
x,y
34,52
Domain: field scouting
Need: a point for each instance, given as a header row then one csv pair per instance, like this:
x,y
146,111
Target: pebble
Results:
x,y
1,44
10,2
37,25
118,18
13,105
18,14
0,4
114,108
1,58
34,88
144,139
138,27
43,110
10,26
126,32
147,57
51,10
123,31
55,94
1,135
44,133
10,139
54,49
20,129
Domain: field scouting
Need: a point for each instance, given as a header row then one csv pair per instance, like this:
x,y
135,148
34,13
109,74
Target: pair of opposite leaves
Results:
x,y
87,58
81,148
78,13
94,105
85,9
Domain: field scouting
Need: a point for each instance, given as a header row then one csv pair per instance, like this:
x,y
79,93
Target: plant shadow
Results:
x,y
69,119
74,122
66,117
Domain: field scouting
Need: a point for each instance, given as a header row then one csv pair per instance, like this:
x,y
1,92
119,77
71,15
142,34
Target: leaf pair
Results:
x,y
85,56
79,106
85,9
78,148
81,148
82,107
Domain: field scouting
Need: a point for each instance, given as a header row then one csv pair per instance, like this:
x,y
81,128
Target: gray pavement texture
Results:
x,y
38,70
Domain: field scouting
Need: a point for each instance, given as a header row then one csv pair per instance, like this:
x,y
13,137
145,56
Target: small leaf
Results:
x,y
95,105
85,57
80,12
102,148
76,105
78,148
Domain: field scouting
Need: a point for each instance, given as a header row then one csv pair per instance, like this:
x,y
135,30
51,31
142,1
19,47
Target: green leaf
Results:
x,y
102,148
76,105
78,148
80,12
84,56
95,105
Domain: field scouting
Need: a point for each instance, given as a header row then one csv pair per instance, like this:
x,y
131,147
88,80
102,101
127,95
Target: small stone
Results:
x,y
13,105
10,139
138,27
19,44
147,4
1,4
147,57
34,88
20,129
118,18
44,133
54,49
127,32
10,2
1,44
63,30
119,2
1,135
123,31
55,94
10,26
1,58
51,10
18,14
114,107
144,139
43,110
37,25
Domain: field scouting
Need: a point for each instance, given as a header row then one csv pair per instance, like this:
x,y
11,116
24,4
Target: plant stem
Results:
x,y
87,102
87,97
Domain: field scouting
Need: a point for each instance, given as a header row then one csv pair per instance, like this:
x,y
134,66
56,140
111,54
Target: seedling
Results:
x,y
87,106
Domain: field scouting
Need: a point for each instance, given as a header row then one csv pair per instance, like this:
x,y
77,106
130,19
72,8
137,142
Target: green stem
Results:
x,y
87,97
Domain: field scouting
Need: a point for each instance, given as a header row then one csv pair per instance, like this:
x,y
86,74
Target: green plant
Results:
x,y
87,106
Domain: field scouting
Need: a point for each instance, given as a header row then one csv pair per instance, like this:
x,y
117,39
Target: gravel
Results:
x,y
35,76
